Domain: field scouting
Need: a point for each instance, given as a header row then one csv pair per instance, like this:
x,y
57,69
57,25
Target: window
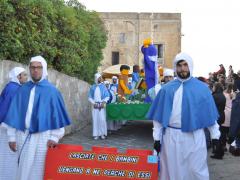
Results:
x,y
115,57
159,50
122,38
160,53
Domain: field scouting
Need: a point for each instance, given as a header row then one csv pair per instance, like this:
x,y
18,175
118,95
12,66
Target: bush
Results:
x,y
68,36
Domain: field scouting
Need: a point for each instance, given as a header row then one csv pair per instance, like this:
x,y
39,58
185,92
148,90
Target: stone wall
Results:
x,y
126,32
74,92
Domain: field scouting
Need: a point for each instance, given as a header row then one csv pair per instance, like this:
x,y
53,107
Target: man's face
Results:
x,y
114,81
183,69
168,78
22,77
99,79
36,71
137,69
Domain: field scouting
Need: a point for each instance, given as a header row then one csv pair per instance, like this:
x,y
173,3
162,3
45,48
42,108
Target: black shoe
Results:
x,y
236,152
231,149
215,156
214,148
218,149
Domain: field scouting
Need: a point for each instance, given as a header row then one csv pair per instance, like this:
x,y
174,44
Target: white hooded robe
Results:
x,y
183,155
8,158
99,122
32,149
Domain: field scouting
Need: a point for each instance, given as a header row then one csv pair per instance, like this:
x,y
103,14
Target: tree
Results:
x,y
69,37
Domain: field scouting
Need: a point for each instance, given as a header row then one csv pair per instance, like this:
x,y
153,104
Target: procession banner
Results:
x,y
71,162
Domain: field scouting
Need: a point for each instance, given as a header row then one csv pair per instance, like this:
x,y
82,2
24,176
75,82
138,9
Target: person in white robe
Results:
x,y
30,134
98,96
114,125
168,75
110,124
113,88
8,159
180,112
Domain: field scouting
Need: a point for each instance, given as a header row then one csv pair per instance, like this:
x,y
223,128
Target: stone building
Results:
x,y
126,32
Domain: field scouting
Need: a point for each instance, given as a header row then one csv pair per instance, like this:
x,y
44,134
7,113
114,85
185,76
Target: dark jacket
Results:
x,y
236,85
220,101
235,117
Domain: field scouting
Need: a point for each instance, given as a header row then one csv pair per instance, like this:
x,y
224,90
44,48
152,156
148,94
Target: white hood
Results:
x,y
96,76
14,73
187,58
114,77
168,72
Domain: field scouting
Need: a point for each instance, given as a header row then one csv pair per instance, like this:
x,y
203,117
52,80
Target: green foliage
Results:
x,y
68,36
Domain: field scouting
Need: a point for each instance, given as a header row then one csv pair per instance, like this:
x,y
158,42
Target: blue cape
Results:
x,y
48,111
198,107
135,77
6,97
110,97
112,85
103,90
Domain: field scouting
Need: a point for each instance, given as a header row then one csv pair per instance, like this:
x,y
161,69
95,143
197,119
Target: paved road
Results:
x,y
138,134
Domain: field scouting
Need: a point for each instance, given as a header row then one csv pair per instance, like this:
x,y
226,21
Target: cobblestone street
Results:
x,y
138,135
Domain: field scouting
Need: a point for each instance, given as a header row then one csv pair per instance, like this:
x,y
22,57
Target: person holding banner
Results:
x,y
8,159
180,112
35,121
98,96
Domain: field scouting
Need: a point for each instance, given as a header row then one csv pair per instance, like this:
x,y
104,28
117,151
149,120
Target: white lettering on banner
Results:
x,y
96,171
70,170
104,172
127,159
88,171
144,175
131,174
102,157
114,173
86,156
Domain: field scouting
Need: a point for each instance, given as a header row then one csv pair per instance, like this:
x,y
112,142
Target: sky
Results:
x,y
211,28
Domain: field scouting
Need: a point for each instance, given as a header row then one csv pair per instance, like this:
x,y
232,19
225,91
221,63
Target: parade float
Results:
x,y
128,106
133,103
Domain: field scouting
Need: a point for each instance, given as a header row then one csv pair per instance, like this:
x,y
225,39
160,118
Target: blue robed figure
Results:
x,y
196,99
35,121
6,97
150,65
8,159
180,112
48,111
17,77
98,96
